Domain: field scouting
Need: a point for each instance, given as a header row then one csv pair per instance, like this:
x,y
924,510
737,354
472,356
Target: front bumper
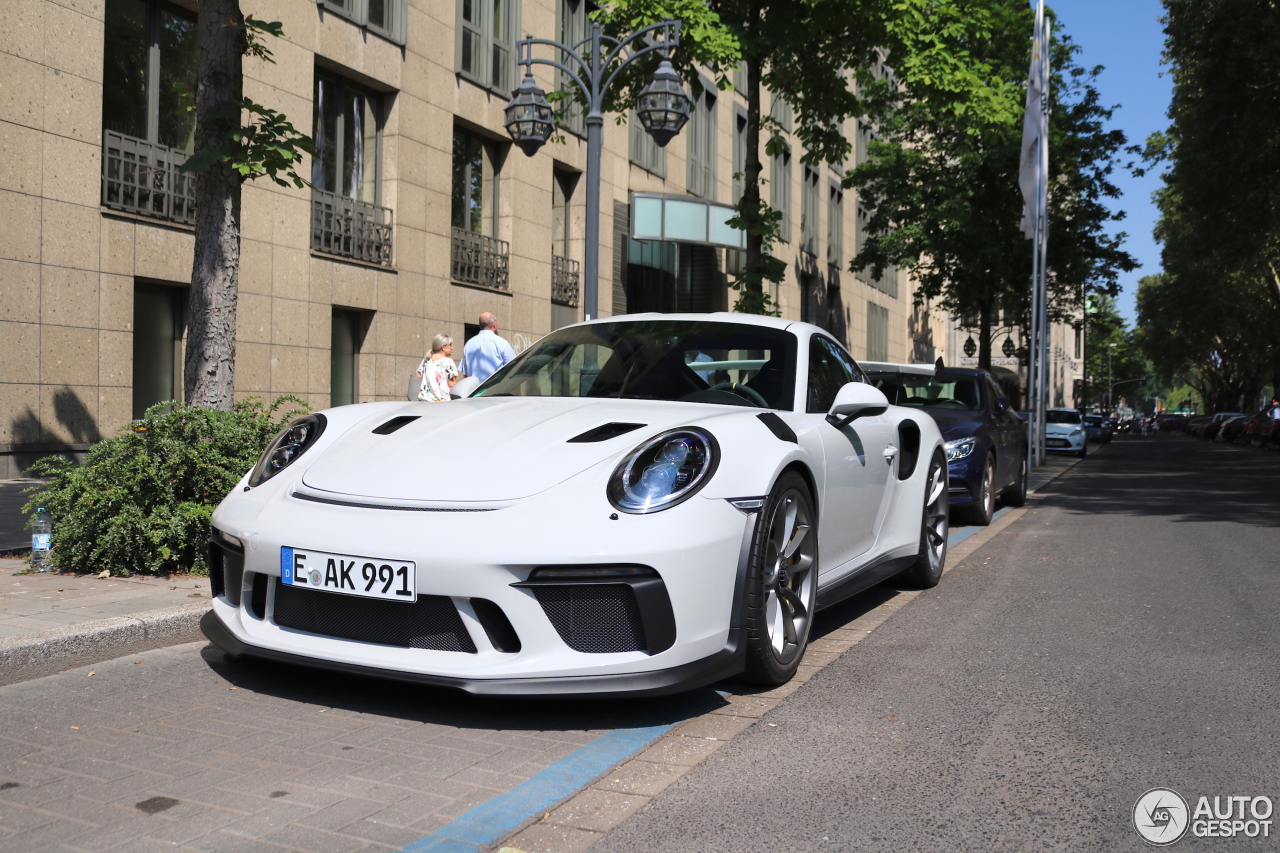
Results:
x,y
964,479
1065,443
467,559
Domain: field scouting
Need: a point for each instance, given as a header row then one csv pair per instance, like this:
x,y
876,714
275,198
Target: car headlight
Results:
x,y
291,443
664,471
960,448
1077,432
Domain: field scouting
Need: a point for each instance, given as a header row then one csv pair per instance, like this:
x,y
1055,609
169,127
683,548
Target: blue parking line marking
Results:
x,y
965,532
488,822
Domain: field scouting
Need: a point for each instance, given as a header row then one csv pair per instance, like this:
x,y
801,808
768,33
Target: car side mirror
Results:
x,y
463,387
1002,405
856,400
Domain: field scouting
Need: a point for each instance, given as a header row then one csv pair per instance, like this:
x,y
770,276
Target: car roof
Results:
x,y
716,316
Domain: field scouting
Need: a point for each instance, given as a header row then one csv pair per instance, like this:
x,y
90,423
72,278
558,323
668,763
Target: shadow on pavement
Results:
x,y
1155,477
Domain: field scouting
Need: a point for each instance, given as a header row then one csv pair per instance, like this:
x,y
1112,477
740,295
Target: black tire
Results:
x,y
1083,452
1016,495
781,591
980,511
927,570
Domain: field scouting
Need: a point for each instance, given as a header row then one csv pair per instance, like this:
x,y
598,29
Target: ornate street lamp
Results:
x,y
663,107
529,118
595,63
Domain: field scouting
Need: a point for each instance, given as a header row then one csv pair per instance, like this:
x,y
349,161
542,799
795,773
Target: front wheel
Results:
x,y
980,511
1083,452
782,583
926,571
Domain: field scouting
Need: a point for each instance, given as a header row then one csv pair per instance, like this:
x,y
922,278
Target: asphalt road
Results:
x,y
1121,636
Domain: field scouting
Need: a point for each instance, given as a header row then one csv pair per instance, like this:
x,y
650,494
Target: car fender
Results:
x,y
900,529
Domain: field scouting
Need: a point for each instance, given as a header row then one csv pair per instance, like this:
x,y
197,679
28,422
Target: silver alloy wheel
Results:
x,y
988,496
789,575
936,525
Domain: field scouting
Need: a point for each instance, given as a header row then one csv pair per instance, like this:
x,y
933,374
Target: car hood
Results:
x,y
1061,429
487,449
953,424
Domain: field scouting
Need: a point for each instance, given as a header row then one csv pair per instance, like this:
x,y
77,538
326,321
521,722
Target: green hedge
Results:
x,y
141,501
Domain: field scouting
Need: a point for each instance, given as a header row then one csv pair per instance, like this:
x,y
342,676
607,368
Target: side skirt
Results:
x,y
873,573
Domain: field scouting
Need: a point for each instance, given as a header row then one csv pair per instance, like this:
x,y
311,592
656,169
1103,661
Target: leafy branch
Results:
x,y
269,145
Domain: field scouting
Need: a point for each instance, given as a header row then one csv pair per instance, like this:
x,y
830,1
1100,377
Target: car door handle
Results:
x,y
889,453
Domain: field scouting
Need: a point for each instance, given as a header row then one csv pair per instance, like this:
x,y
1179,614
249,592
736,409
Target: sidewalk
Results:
x,y
50,622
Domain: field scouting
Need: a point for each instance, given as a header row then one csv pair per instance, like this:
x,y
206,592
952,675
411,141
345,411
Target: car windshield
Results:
x,y
945,392
1062,416
691,361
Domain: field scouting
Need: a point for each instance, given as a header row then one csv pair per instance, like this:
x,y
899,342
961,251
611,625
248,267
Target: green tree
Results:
x,y
809,52
945,194
228,152
1112,354
1212,314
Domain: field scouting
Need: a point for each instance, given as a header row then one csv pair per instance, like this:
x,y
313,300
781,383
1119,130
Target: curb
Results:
x,y
36,655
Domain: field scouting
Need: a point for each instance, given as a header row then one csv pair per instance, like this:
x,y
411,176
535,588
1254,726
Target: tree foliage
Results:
x,y
944,188
809,52
142,500
1210,317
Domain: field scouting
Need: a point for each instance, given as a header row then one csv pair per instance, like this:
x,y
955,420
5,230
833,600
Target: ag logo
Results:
x,y
1160,816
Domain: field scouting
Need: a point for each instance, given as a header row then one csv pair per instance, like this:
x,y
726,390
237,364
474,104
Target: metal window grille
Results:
x,y
350,228
481,260
564,281
142,177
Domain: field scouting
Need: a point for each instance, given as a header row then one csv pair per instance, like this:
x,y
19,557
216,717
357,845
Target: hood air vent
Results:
x,y
395,424
604,433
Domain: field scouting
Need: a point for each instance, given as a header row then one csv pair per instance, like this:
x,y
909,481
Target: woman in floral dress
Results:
x,y
439,373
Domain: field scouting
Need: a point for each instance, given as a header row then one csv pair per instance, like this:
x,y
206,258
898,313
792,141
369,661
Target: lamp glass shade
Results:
x,y
529,119
663,107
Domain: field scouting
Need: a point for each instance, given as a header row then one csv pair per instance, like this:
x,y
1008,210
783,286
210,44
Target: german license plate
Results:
x,y
1056,442
368,577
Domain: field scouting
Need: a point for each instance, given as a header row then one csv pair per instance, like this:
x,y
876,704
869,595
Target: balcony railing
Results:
x,y
481,260
564,281
142,177
350,228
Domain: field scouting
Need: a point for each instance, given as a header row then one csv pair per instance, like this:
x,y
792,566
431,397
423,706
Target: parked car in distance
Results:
x,y
1064,431
1231,428
986,440
1210,427
1257,429
1097,428
1171,420
1189,427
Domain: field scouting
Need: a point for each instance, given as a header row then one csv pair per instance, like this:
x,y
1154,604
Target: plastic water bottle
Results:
x,y
41,540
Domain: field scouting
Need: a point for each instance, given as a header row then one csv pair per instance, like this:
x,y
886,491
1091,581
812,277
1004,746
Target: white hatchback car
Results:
x,y
639,504
1064,431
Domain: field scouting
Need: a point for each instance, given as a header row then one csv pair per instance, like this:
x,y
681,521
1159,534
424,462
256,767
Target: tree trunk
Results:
x,y
209,375
752,168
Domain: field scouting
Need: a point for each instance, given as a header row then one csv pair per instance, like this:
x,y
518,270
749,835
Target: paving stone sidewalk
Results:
x,y
34,602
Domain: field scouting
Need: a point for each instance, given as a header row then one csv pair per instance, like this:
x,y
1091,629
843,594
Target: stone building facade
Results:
x,y
422,216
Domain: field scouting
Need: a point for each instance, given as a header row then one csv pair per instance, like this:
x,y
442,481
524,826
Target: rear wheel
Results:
x,y
1016,495
782,583
981,510
926,571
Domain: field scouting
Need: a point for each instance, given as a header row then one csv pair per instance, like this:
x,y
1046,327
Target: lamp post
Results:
x,y
1111,385
596,61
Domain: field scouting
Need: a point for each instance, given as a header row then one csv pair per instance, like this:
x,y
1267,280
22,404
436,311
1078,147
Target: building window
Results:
x,y
888,281
877,332
809,208
478,256
149,76
741,79
780,112
575,25
701,142
346,173
780,190
387,18
564,270
344,353
644,152
835,226
1079,343
486,42
739,153
159,319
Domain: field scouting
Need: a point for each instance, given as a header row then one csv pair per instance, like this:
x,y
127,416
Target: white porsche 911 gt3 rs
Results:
x,y
638,504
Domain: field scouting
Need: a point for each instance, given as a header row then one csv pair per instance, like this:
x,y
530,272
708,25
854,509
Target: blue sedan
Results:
x,y
986,440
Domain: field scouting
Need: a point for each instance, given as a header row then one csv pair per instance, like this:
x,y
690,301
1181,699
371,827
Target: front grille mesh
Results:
x,y
594,618
226,573
432,622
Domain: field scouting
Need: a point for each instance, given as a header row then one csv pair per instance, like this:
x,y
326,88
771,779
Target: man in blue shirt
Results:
x,y
486,352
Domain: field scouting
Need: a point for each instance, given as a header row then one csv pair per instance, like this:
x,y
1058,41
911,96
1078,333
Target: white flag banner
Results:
x,y
1035,127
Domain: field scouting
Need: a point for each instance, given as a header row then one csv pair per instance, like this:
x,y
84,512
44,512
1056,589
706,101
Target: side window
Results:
x,y
829,371
993,391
